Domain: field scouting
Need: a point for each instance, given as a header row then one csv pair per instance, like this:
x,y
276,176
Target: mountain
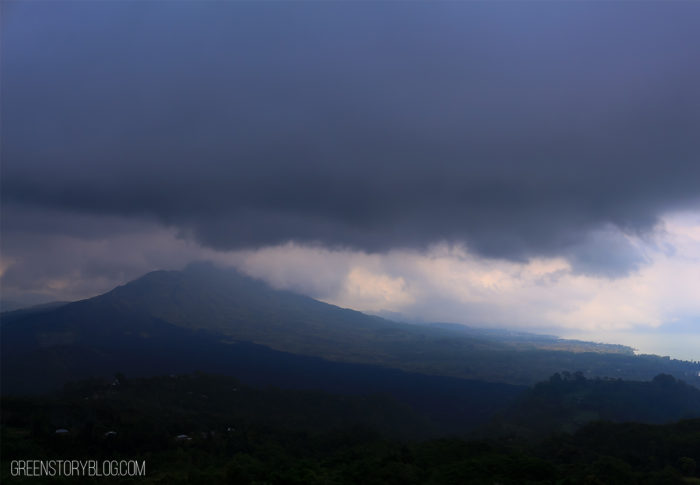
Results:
x,y
176,319
126,331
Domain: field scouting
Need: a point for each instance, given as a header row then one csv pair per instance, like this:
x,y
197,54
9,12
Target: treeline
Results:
x,y
567,401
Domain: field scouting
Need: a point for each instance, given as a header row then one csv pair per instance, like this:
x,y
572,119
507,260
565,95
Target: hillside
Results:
x,y
169,311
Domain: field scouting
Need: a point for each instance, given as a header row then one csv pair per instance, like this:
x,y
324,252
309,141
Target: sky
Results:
x,y
529,165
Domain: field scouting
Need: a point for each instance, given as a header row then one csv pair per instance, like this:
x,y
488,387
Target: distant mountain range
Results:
x,y
214,319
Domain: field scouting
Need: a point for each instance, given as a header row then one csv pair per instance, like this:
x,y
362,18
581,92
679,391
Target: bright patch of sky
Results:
x,y
448,283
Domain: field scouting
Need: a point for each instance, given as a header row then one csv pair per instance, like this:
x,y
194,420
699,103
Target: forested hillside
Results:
x,y
205,429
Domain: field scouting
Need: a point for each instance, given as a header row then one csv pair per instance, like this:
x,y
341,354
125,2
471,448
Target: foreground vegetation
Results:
x,y
209,429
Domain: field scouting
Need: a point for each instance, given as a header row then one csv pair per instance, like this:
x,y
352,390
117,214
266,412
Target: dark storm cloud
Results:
x,y
518,128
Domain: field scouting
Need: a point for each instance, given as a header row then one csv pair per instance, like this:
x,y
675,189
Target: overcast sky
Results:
x,y
529,164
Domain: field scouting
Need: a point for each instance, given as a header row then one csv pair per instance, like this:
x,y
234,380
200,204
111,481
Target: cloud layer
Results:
x,y
520,131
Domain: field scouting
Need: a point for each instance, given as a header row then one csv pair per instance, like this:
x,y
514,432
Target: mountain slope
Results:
x,y
224,306
226,302
150,347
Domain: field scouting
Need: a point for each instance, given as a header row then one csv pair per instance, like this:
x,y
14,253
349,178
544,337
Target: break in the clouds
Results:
x,y
520,130
449,283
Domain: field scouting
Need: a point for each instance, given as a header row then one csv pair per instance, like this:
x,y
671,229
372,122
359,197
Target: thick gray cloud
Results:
x,y
520,129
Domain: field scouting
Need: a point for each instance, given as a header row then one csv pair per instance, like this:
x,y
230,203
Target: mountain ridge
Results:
x,y
226,306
